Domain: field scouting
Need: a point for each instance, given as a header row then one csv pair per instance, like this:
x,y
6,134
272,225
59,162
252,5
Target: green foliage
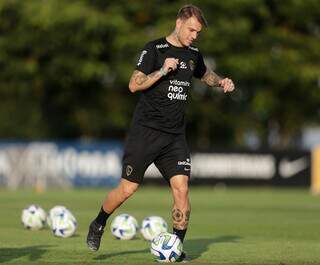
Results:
x,y
65,67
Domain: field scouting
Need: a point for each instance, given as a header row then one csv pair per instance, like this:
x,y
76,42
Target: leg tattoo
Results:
x,y
180,219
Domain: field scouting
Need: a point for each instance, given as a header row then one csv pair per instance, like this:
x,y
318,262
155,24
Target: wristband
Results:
x,y
163,72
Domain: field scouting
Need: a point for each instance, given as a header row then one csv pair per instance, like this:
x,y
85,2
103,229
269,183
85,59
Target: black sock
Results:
x,y
180,233
102,217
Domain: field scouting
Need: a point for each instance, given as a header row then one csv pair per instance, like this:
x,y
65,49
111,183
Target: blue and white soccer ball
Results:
x,y
166,247
63,224
153,226
124,227
55,212
33,217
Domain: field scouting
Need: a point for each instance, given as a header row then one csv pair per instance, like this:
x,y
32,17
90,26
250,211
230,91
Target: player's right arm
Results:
x,y
140,81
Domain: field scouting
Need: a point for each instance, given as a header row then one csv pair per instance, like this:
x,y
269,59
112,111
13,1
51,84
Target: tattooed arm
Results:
x,y
212,79
140,81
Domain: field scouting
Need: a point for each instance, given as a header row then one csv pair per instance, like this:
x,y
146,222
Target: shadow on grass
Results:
x,y
196,247
33,253
107,256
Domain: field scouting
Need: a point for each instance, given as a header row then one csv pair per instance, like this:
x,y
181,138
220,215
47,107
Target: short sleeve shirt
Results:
x,y
162,106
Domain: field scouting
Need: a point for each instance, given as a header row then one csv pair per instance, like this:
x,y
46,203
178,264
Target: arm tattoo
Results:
x,y
180,219
211,78
140,78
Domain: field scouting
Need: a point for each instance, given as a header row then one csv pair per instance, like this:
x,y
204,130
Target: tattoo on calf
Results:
x,y
180,219
177,215
188,215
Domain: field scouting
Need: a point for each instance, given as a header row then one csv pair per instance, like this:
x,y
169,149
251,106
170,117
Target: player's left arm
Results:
x,y
212,79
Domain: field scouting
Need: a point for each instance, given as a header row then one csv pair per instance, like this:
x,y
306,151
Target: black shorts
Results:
x,y
144,146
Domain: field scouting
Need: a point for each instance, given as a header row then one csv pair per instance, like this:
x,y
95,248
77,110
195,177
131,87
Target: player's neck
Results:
x,y
174,40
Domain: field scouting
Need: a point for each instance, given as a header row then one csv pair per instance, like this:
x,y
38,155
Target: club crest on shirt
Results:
x,y
129,170
191,65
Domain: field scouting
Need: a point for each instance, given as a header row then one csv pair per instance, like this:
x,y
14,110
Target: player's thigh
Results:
x,y
141,149
175,160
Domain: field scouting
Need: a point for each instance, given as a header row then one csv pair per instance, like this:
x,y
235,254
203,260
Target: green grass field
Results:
x,y
234,226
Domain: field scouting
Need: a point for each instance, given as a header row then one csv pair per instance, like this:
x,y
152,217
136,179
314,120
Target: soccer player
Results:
x,y
157,134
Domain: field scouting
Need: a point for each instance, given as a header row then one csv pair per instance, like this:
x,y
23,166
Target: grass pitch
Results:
x,y
233,227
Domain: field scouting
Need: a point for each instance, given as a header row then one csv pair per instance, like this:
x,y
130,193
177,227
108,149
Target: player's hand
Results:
x,y
227,85
170,64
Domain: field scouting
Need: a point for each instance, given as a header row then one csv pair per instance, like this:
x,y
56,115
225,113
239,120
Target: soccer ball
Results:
x,y
166,247
63,224
33,217
153,226
54,212
124,227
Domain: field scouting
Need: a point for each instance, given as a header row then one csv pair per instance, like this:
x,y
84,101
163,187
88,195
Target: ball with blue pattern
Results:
x,y
33,217
166,247
153,226
124,227
64,224
55,212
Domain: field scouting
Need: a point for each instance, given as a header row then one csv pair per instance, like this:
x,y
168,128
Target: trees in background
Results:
x,y
65,66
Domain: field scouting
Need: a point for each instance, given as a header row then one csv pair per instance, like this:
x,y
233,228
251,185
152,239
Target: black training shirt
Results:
x,y
162,106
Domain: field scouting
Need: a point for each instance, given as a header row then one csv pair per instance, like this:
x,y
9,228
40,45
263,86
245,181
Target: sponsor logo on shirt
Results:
x,y
176,90
161,46
193,48
183,65
143,53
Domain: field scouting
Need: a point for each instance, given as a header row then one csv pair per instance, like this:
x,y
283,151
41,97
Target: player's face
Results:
x,y
188,30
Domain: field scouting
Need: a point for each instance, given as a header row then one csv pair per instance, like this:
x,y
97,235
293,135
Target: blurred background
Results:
x,y
65,105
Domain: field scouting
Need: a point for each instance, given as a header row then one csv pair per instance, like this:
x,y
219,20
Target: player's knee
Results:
x,y
181,192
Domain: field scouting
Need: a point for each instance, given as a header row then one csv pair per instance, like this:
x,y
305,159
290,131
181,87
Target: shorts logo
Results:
x,y
129,170
186,164
191,65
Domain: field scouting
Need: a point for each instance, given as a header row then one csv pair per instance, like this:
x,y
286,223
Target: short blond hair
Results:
x,y
188,11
